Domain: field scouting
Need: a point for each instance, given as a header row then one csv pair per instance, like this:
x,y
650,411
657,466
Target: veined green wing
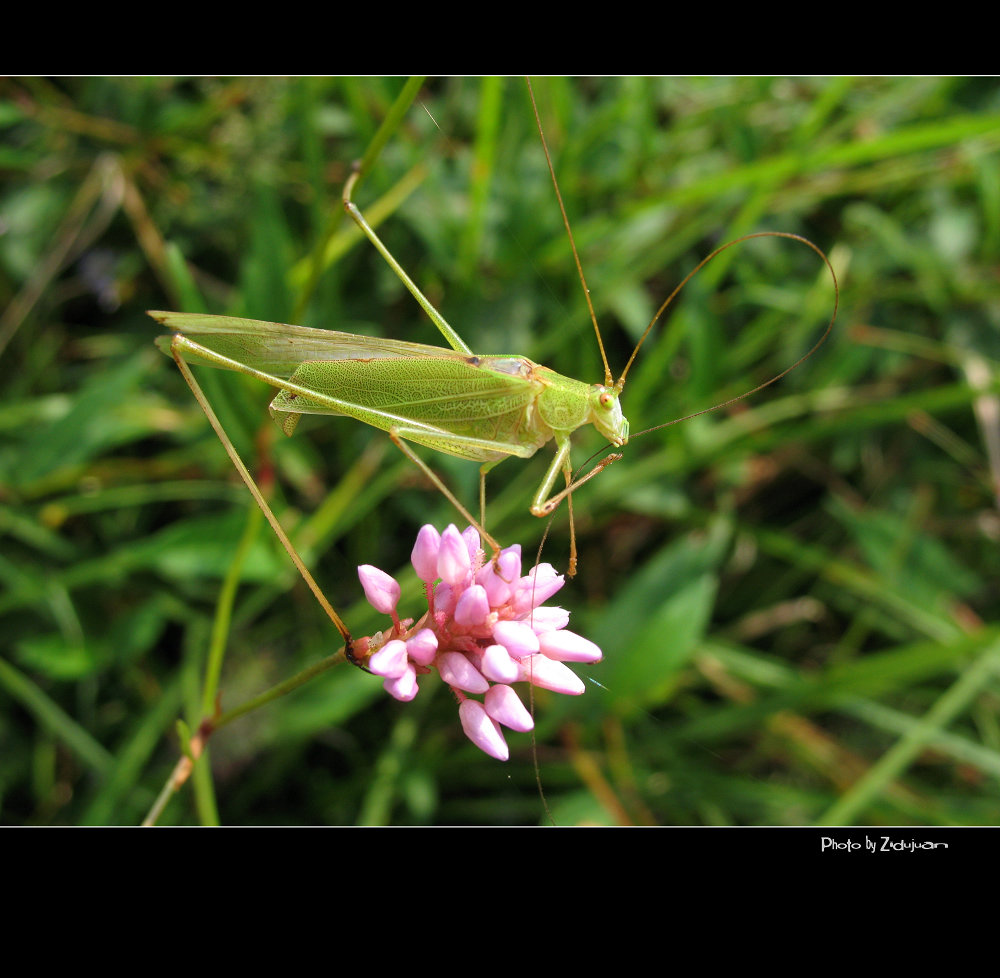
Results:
x,y
277,348
427,390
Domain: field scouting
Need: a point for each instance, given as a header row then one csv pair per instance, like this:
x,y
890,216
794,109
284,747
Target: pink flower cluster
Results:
x,y
485,628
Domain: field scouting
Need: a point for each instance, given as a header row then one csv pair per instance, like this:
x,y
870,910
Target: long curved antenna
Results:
x,y
767,383
576,256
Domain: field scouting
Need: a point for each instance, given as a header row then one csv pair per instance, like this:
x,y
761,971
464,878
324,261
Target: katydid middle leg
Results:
x,y
454,340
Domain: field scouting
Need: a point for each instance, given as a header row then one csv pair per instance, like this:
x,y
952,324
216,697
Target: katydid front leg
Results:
x,y
542,506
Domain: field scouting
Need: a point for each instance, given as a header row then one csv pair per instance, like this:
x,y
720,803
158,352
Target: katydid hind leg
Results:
x,y
258,496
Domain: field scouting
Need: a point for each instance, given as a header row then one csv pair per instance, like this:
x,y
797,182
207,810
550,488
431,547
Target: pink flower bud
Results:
x,y
425,554
454,563
566,646
481,730
485,628
548,674
457,671
381,590
403,688
536,587
509,563
473,607
497,589
503,705
390,660
516,637
471,537
547,619
500,578
444,600
499,666
422,647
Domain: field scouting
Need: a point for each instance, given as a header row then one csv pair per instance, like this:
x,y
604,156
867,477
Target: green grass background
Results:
x,y
797,596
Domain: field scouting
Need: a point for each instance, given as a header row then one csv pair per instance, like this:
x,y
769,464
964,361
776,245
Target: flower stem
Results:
x,y
184,766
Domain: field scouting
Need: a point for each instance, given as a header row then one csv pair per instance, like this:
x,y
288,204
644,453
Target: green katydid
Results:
x,y
483,408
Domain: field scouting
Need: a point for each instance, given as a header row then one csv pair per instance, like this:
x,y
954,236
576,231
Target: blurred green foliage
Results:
x,y
797,597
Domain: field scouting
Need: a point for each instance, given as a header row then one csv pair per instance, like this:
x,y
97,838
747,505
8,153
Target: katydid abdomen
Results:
x,y
465,398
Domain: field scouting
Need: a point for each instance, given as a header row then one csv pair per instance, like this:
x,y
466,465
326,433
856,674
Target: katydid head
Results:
x,y
606,414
